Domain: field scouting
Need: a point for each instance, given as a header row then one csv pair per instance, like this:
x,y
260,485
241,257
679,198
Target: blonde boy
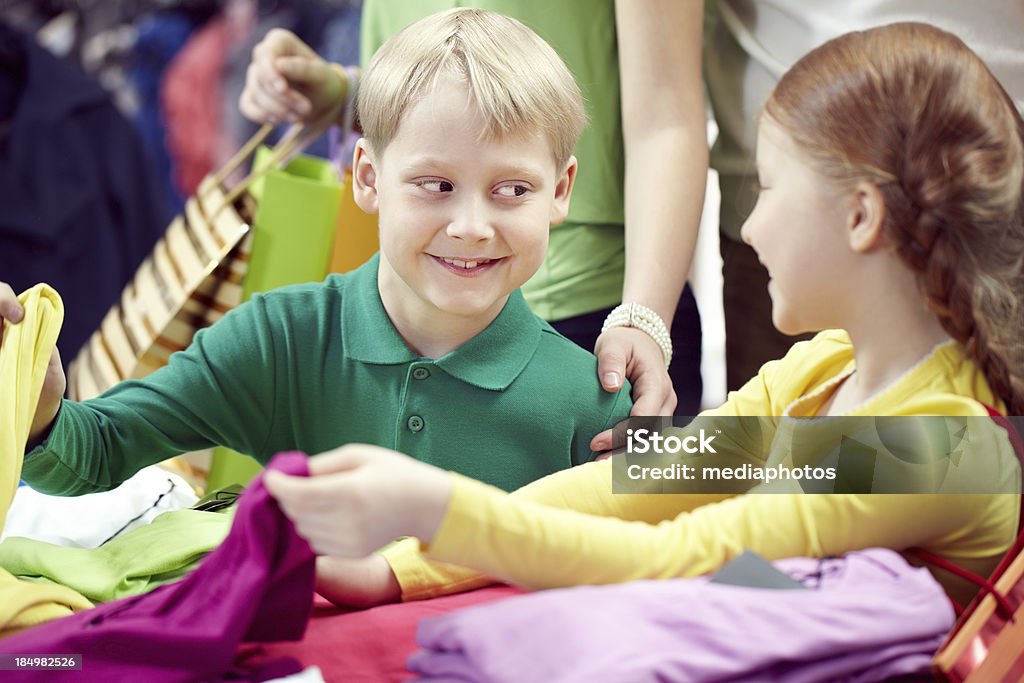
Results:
x,y
429,349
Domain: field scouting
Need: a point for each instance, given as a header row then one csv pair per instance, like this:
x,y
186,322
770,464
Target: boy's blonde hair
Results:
x,y
517,80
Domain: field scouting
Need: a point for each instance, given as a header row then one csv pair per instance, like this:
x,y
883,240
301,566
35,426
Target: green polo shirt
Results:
x,y
311,367
586,260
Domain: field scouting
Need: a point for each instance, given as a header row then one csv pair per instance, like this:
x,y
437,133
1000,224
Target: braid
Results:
x,y
998,294
949,294
931,223
994,363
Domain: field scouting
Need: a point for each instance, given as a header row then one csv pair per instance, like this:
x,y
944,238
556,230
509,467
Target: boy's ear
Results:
x,y
364,177
563,192
867,215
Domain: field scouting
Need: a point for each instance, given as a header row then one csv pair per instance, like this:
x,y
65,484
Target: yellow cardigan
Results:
x,y
569,528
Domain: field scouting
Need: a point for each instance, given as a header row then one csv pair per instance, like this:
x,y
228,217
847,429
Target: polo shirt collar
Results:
x,y
491,360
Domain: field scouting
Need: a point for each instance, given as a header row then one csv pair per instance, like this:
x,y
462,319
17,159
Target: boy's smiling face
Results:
x,y
463,219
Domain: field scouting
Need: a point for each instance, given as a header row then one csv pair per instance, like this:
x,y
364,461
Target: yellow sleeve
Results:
x,y
536,546
586,489
569,528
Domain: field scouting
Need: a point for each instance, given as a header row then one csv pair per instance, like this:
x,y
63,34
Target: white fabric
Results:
x,y
87,521
310,675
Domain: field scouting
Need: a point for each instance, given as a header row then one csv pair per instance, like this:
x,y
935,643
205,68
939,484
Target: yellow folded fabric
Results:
x,y
25,351
24,604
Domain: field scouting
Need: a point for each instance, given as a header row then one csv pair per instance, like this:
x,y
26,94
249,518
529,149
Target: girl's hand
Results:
x,y
359,498
362,583
55,382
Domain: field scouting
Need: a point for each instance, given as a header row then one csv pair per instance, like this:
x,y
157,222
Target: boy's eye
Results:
x,y
436,185
513,190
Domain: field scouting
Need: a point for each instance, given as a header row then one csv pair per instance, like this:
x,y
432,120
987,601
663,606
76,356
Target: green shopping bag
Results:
x,y
293,234
294,224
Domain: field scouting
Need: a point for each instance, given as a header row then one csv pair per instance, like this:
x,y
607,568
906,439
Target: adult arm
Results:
x,y
665,138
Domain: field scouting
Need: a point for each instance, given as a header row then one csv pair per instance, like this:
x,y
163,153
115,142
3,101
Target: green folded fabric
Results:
x,y
132,564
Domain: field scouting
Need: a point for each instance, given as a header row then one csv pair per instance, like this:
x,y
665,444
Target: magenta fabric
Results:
x,y
367,646
257,586
866,617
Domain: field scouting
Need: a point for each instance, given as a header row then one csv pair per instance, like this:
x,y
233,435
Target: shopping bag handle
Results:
x,y
298,137
241,155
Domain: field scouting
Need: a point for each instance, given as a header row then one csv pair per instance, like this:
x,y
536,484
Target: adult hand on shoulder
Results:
x,y
631,353
288,81
358,498
55,383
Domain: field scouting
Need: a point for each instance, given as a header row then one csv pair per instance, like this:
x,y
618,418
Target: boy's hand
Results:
x,y
55,382
288,81
10,309
359,498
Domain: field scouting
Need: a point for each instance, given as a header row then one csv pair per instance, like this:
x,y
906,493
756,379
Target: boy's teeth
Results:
x,y
463,264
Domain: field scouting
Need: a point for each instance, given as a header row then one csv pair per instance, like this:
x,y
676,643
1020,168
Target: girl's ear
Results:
x,y
867,215
364,177
563,192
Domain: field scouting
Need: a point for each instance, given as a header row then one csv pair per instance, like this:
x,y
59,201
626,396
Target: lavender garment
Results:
x,y
257,586
867,616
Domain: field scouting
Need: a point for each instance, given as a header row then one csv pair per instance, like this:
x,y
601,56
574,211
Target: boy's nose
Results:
x,y
471,222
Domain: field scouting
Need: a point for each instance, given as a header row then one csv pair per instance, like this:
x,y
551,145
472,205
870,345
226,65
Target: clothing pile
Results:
x,y
257,585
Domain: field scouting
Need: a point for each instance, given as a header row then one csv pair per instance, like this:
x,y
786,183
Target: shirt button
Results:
x,y
415,423
420,373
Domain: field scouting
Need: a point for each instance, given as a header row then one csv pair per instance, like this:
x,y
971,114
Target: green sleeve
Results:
x,y
219,391
618,411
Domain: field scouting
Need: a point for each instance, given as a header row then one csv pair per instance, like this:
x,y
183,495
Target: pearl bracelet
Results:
x,y
644,319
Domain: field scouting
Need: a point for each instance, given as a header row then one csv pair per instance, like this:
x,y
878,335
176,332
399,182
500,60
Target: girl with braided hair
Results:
x,y
891,219
930,145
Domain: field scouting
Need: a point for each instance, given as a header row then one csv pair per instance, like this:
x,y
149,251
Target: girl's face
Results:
x,y
798,229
